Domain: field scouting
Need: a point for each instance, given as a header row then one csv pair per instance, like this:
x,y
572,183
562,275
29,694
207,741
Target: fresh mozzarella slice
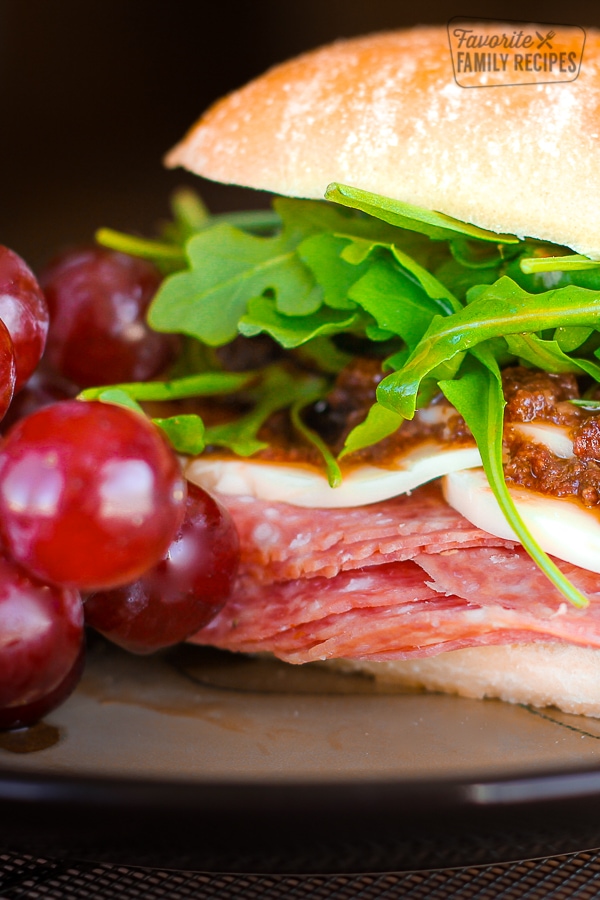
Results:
x,y
435,413
304,485
555,438
561,527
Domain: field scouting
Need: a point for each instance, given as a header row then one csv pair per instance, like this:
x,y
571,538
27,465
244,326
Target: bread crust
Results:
x,y
384,113
539,674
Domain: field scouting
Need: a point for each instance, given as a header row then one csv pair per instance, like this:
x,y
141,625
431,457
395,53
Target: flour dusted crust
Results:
x,y
384,113
539,674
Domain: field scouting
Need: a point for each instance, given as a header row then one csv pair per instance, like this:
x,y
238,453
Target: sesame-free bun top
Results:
x,y
384,113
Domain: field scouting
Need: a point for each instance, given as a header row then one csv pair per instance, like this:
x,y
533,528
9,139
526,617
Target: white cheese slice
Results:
x,y
307,486
560,526
555,437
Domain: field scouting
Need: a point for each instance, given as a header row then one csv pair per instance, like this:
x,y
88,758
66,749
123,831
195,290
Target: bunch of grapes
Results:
x,y
93,505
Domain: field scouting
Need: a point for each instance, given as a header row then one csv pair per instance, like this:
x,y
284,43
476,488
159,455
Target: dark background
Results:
x,y
94,92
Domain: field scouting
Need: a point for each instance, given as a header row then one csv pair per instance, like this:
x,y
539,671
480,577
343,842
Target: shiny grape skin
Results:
x,y
41,636
91,494
24,311
43,388
7,370
183,592
30,713
98,334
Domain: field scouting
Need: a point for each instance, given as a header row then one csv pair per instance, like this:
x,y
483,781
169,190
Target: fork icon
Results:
x,y
545,40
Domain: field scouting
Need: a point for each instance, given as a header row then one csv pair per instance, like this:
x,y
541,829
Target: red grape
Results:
x,y
7,369
41,636
29,713
183,592
91,494
98,334
43,388
24,311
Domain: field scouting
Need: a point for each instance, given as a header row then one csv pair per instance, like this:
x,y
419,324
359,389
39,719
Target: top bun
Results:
x,y
384,113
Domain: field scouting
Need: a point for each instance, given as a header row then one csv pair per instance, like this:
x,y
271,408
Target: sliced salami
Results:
x,y
386,612
282,542
405,578
512,578
380,613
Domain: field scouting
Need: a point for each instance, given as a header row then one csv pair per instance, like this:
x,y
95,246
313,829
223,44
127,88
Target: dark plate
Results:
x,y
200,760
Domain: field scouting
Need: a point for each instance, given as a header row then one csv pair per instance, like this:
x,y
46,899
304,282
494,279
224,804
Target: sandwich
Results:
x,y
400,367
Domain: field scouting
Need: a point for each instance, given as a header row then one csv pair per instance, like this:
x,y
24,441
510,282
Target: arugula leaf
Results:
x,y
292,331
300,266
377,334
481,255
167,256
205,384
548,356
334,474
430,284
584,403
228,268
359,250
185,432
278,389
437,226
501,309
568,263
117,396
380,423
571,337
478,397
190,213
322,354
397,304
461,280
322,254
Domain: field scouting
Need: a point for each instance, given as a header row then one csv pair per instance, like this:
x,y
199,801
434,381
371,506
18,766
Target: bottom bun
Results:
x,y
561,675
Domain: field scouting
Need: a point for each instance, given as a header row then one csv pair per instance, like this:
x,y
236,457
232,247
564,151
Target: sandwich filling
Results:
x,y
401,413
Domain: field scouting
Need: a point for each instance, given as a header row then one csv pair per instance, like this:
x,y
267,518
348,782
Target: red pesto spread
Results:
x,y
539,396
346,406
531,396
